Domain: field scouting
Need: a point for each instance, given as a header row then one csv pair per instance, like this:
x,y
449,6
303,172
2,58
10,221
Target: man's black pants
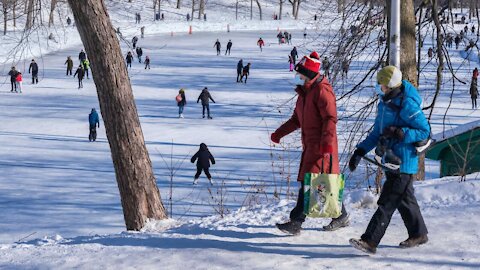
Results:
x,y
397,193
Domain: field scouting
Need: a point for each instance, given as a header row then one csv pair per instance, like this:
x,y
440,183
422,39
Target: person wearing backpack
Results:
x,y
204,158
399,120
181,102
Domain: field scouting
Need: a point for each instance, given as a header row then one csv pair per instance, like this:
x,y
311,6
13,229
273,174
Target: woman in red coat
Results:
x,y
316,115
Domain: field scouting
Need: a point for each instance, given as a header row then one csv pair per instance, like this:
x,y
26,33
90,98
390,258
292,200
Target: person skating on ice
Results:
x,y
203,158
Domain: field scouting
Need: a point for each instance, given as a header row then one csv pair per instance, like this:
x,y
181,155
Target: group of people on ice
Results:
x,y
284,37
399,121
218,46
204,97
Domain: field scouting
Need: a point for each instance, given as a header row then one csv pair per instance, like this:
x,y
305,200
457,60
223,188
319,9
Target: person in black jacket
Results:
x,y
139,54
218,46
82,56
239,70
129,59
34,69
246,72
205,97
229,47
13,78
80,72
204,157
294,54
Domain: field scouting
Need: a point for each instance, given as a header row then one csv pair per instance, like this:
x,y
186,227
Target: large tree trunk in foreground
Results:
x,y
139,192
408,59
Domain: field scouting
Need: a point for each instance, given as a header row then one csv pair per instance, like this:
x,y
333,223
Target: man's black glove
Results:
x,y
355,159
394,133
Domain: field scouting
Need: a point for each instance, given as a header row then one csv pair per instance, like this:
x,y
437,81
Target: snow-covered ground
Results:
x,y
59,200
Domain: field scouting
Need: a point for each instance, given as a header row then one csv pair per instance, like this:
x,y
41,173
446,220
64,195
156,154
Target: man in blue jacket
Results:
x,y
399,119
93,121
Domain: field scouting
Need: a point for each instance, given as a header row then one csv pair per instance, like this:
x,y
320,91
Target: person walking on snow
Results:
x,y
229,47
129,59
205,97
82,56
400,119
474,88
457,41
13,79
86,67
260,44
239,70
181,102
294,54
147,62
218,46
203,158
34,69
326,66
245,73
139,54
290,60
18,81
80,72
93,121
316,115
69,64
142,32
134,41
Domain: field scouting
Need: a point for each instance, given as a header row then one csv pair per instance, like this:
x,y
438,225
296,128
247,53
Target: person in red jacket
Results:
x,y
316,115
475,74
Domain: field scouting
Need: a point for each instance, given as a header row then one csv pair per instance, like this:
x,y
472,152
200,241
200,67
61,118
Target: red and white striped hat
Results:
x,y
309,66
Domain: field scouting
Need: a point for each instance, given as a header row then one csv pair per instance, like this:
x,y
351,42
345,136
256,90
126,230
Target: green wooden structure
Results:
x,y
458,150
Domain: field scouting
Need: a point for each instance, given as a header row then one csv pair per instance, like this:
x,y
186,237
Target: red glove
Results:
x,y
327,149
275,138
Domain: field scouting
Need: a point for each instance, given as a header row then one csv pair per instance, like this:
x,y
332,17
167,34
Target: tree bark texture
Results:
x,y
408,59
133,169
259,8
29,22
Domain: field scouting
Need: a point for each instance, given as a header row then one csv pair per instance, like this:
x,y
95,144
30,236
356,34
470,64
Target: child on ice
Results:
x,y
204,157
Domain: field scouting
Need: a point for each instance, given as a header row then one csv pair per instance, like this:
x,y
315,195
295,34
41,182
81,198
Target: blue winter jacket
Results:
x,y
93,118
409,117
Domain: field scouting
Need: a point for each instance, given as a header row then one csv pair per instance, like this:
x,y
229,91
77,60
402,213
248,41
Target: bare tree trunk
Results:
x,y
201,9
408,59
281,10
179,4
236,10
193,9
133,169
53,4
14,13
5,18
251,9
419,42
29,22
297,9
259,8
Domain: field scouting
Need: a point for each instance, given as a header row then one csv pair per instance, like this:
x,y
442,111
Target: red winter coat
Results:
x,y
316,114
475,73
19,77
